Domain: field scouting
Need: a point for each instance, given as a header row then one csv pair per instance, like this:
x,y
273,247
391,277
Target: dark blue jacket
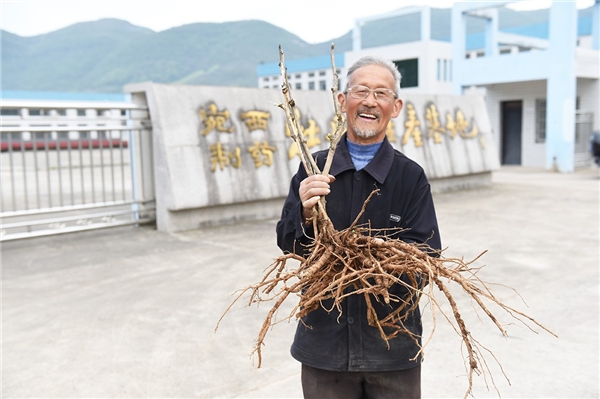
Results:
x,y
348,343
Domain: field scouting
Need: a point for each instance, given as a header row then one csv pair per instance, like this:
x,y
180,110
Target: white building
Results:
x,y
61,116
540,82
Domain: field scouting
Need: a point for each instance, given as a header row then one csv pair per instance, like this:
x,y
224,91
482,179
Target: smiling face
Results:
x,y
368,118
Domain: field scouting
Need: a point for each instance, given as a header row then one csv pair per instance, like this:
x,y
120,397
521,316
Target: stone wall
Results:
x,y
222,155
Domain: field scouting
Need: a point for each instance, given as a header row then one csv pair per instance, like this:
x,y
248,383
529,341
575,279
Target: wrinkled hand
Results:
x,y
311,190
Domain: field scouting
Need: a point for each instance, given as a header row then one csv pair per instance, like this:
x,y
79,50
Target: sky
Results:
x,y
314,21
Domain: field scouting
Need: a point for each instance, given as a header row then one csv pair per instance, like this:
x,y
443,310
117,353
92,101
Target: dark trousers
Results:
x,y
324,384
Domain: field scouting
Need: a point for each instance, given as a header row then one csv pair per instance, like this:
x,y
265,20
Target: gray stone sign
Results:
x,y
223,154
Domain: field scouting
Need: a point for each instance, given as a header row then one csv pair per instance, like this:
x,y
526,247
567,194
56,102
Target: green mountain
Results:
x,y
104,55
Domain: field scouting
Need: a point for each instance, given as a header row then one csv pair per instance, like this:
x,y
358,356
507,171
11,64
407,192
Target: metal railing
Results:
x,y
60,175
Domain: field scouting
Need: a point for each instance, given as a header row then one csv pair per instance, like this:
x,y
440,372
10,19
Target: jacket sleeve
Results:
x,y
292,234
421,218
422,225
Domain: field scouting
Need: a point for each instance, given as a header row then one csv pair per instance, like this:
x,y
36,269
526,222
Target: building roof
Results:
x,y
63,96
303,64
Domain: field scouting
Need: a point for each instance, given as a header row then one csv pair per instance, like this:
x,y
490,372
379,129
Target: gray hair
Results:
x,y
372,60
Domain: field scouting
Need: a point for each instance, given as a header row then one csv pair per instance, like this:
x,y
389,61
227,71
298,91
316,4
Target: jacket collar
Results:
x,y
378,168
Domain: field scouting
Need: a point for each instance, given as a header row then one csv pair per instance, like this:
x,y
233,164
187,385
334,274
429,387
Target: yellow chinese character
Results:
x,y
218,157
390,132
262,154
221,158
460,126
434,126
412,126
451,125
310,133
256,120
235,157
333,124
214,119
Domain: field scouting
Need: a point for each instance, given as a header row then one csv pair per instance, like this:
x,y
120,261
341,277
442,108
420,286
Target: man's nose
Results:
x,y
370,99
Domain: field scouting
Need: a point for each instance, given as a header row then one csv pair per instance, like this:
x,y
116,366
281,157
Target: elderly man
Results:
x,y
343,356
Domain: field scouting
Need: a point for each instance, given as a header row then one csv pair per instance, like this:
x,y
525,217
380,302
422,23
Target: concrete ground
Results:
x,y
131,312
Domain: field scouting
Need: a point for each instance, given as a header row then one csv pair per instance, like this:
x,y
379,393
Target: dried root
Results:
x,y
369,266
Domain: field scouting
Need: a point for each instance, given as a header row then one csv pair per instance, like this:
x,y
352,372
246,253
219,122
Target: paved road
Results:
x,y
130,312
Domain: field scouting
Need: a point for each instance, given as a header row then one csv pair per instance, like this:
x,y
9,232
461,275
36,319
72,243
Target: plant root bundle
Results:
x,y
353,262
364,261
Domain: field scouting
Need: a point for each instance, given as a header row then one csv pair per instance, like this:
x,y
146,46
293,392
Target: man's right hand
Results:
x,y
311,190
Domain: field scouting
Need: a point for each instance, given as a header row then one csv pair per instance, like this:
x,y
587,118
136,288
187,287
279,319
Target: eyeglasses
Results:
x,y
361,92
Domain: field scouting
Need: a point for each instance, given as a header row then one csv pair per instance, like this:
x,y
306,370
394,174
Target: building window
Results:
x,y
9,112
298,86
321,73
322,85
445,70
311,85
439,69
81,112
311,74
40,136
409,69
540,120
298,76
39,112
12,137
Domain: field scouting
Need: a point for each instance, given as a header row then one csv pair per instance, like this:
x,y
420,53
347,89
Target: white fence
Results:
x,y
72,166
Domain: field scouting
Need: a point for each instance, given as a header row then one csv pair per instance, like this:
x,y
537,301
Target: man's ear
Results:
x,y
397,108
342,100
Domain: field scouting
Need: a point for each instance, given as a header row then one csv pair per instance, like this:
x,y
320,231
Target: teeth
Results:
x,y
370,116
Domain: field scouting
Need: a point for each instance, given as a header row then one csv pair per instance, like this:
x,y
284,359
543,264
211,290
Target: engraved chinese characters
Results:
x,y
262,153
217,120
226,153
455,125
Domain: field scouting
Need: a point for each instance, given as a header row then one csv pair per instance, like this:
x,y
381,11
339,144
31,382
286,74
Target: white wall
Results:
x,y
304,79
533,154
428,52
